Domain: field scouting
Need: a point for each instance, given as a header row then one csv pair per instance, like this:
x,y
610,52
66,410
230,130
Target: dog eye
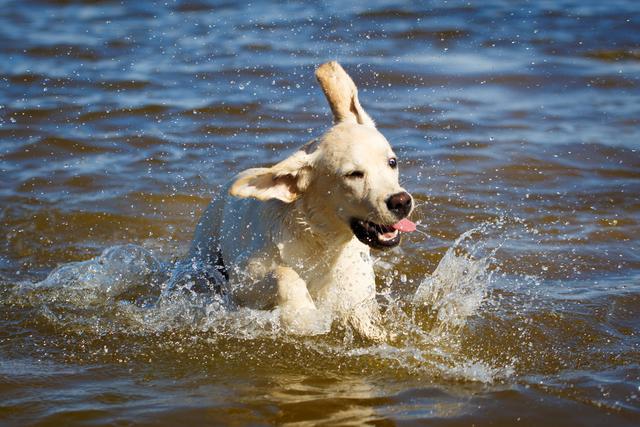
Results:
x,y
393,162
355,174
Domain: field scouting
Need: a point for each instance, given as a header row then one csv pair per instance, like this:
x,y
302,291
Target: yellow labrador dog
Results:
x,y
296,235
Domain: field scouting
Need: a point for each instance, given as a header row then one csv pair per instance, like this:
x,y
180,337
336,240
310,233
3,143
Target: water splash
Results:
x,y
118,273
120,292
458,286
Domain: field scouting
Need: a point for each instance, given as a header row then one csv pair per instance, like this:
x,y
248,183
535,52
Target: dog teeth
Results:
x,y
388,236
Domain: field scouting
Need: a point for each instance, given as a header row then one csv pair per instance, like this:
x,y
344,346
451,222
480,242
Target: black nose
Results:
x,y
400,204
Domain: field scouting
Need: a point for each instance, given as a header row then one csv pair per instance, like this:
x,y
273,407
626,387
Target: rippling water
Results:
x,y
518,128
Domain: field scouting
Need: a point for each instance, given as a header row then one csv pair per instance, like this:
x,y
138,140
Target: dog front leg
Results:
x,y
298,312
354,293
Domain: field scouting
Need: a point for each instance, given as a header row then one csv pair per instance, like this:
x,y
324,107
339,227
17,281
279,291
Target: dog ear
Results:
x,y
342,94
285,181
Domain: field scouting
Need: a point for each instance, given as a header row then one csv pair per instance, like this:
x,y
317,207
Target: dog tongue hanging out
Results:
x,y
405,225
297,235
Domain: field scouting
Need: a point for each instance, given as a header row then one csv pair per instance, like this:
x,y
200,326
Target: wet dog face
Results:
x,y
356,175
347,183
347,180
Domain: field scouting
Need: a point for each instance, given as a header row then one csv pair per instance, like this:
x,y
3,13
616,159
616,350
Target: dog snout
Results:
x,y
400,204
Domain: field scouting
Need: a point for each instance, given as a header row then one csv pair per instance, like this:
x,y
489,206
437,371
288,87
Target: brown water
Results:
x,y
517,125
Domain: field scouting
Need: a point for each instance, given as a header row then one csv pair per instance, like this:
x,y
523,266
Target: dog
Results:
x,y
297,235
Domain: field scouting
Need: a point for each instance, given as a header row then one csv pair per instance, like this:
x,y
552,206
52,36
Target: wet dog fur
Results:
x,y
297,235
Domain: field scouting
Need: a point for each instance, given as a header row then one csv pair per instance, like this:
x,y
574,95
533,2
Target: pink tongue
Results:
x,y
405,225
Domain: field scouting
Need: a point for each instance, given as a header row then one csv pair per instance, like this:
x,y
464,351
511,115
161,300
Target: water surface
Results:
x,y
517,126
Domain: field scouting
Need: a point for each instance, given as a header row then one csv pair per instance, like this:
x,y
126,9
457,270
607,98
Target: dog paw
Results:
x,y
367,325
374,333
305,321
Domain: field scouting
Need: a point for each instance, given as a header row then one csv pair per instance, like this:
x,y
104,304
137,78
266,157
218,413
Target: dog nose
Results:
x,y
400,204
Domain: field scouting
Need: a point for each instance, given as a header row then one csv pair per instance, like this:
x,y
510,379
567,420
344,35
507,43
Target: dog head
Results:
x,y
346,181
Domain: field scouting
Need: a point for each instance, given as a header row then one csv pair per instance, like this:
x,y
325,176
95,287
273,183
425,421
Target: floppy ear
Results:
x,y
285,181
342,94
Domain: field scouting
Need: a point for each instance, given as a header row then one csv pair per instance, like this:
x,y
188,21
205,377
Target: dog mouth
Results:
x,y
377,236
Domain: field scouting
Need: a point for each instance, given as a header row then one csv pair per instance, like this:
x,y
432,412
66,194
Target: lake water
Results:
x,y
517,125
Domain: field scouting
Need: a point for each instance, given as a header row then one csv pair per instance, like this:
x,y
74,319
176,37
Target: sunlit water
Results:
x,y
517,301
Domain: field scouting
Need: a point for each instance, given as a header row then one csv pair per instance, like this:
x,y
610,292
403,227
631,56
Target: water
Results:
x,y
517,128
